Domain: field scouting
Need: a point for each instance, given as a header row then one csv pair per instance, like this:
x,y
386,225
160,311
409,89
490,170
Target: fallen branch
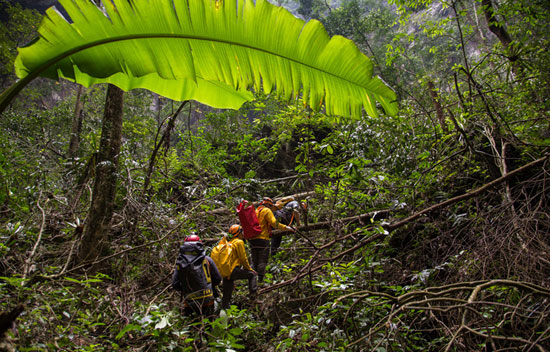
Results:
x,y
444,299
100,260
363,218
320,266
28,262
229,211
388,227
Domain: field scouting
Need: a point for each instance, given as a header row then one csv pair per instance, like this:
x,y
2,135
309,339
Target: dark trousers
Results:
x,y
229,284
260,255
275,243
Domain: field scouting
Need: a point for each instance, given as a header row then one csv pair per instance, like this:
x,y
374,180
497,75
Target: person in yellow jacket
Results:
x,y
239,267
260,244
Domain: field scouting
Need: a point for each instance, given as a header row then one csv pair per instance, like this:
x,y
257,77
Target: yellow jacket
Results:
x,y
238,255
267,222
229,254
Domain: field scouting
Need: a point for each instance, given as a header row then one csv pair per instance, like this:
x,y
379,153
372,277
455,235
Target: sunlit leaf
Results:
x,y
193,49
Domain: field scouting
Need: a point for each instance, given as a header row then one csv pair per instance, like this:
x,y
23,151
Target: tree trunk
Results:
x,y
437,105
77,125
498,29
94,240
494,26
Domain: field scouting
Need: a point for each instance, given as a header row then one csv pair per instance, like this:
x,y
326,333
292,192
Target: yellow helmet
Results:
x,y
235,230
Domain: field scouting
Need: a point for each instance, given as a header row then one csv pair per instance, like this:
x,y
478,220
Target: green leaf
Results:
x,y
224,319
127,328
70,279
162,323
13,281
235,331
209,51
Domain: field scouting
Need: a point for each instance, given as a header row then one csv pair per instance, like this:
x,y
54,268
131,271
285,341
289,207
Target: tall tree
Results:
x,y
495,26
76,127
94,239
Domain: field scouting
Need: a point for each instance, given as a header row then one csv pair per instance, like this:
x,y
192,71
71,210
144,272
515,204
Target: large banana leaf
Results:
x,y
212,51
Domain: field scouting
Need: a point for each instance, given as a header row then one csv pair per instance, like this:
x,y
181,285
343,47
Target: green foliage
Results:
x,y
19,29
368,23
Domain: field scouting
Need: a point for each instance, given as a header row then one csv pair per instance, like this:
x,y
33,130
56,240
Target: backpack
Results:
x,y
221,255
249,220
283,201
193,272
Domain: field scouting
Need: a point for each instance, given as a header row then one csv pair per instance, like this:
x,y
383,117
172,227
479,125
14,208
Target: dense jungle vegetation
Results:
x,y
426,230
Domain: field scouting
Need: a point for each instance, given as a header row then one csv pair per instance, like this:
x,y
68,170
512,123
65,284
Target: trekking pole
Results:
x,y
305,237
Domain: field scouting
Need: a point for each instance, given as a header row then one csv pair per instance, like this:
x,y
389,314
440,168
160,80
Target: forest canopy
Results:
x,y
427,213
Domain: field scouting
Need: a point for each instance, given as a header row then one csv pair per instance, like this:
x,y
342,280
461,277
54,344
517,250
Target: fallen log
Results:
x,y
229,211
366,218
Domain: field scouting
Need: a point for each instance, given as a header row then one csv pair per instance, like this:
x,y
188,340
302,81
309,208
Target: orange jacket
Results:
x,y
267,222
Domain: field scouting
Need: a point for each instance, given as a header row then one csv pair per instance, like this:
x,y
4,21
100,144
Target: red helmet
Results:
x,y
267,201
192,238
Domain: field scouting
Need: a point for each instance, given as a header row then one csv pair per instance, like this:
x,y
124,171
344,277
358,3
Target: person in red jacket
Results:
x,y
260,244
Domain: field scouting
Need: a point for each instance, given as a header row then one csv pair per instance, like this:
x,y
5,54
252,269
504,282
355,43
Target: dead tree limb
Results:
x,y
361,243
28,262
363,218
461,297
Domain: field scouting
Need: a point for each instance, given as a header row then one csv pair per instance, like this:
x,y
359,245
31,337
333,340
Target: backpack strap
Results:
x,y
291,219
194,253
207,292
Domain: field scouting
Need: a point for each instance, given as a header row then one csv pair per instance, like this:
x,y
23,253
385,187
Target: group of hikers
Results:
x,y
198,275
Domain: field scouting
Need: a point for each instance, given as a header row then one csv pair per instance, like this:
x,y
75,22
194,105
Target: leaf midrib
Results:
x,y
36,72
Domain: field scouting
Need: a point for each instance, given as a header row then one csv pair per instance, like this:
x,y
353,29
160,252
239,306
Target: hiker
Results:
x,y
288,213
196,277
260,244
230,256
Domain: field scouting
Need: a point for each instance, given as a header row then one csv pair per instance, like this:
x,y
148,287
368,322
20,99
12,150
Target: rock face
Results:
x,y
40,5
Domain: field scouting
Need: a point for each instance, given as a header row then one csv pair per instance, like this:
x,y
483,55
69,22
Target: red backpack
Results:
x,y
249,220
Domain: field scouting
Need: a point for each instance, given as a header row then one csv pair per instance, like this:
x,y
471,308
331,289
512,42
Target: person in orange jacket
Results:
x,y
239,267
260,244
